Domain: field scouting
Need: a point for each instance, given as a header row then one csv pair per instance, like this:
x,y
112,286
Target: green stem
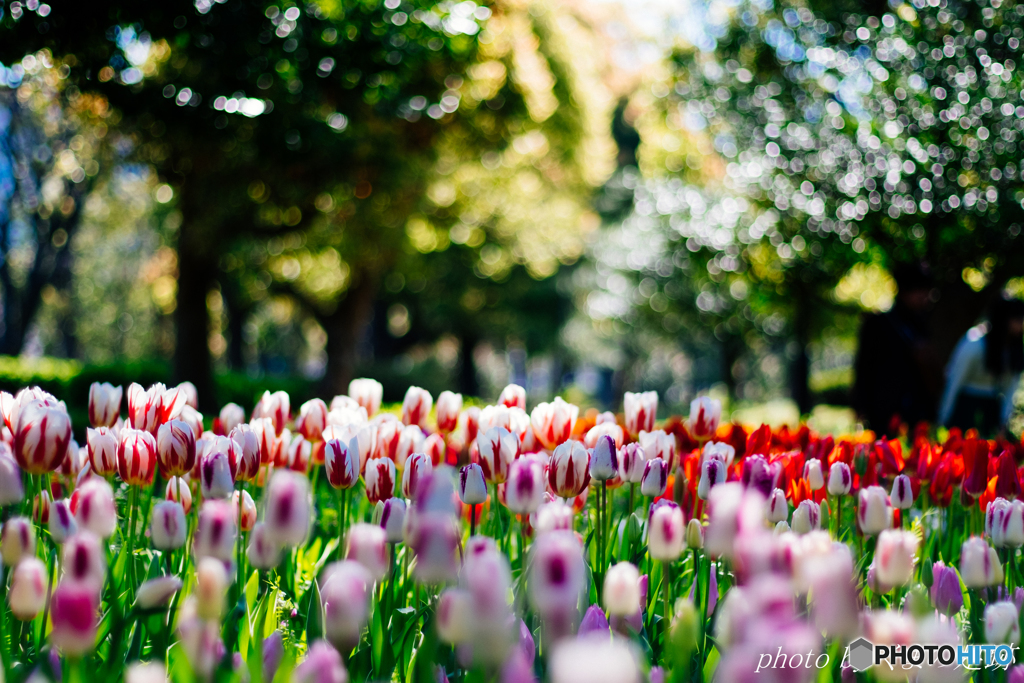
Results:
x,y
133,504
666,584
472,520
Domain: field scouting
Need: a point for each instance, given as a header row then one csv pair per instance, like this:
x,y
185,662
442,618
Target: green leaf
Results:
x,y
314,622
252,589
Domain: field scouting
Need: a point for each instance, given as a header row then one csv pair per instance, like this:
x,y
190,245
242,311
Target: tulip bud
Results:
x,y
27,595
604,460
230,416
449,406
1013,525
299,453
345,594
472,487
552,516
74,614
85,561
41,437
454,616
524,490
168,528
718,450
778,508
655,479
732,512
557,576
1002,625
513,396
41,507
136,457
416,406
391,518
11,489
632,463
995,520
873,510
61,521
93,505
215,532
806,517
895,557
434,539
640,410
659,444
979,564
176,448
322,663
156,593
102,446
380,479
705,412
553,422
367,393
288,508
17,540
211,588
366,544
263,553
312,419
712,473
215,474
694,535
498,448
666,533
760,475
622,590
341,463
813,475
263,427
248,510
569,470
248,454
179,488
104,404
416,467
902,496
945,590
840,479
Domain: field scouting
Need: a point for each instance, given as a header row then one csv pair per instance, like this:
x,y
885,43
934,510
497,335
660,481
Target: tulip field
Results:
x,y
451,542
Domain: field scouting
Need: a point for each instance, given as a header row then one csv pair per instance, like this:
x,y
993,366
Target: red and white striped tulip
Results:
x,y
705,413
553,422
194,419
178,490
168,528
299,454
215,532
388,432
136,457
895,556
27,595
276,406
341,463
249,457
248,510
659,444
367,393
230,416
367,545
449,405
150,408
641,410
498,448
104,404
777,509
93,505
41,437
436,449
471,423
380,479
312,419
41,507
289,512
609,429
17,540
101,444
513,396
266,435
569,470
410,440
190,393
416,406
416,468
176,448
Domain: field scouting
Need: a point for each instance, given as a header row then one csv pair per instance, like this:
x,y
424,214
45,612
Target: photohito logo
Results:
x,y
862,654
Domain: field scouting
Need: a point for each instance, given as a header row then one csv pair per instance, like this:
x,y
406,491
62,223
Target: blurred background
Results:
x,y
584,198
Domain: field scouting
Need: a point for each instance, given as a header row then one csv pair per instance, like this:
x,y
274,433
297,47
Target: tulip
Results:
x,y
694,535
410,440
136,457
806,517
11,489
392,518
718,450
557,576
449,406
176,448
341,464
215,474
712,473
298,454
168,527
211,588
102,446
759,474
312,419
263,553
778,507
273,652
1008,482
705,412
632,463
84,561
380,479
655,479
569,471
454,616
594,623
416,467
104,404
813,475
41,437
995,518
524,491
193,418
436,449
622,589
322,663
976,456
833,589
594,660
74,615
945,590
345,594
666,533
895,557
215,532
266,435
156,593
17,540
288,512
367,393
553,422
1002,625
276,406
247,509
27,594
41,507
605,429
604,460
979,564
659,444
62,521
416,406
178,491
902,496
388,433
1013,525
93,505
150,408
247,454
874,512
640,409
498,448
513,396
472,487
732,512
434,540
366,544
840,479
552,516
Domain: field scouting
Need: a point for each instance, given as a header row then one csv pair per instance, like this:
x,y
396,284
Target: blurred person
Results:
x,y
985,371
896,379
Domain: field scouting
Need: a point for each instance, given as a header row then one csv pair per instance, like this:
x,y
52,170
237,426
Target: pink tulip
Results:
x,y
641,410
341,464
705,412
380,479
449,405
367,545
41,437
84,561
263,552
288,512
416,467
322,665
136,457
569,471
93,505
659,444
524,490
513,396
17,540
345,593
312,419
498,449
168,527
216,530
276,406
176,448
655,479
416,406
367,393
27,594
553,422
74,614
104,404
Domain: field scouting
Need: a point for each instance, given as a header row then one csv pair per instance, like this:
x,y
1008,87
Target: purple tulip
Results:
x,y
594,621
946,589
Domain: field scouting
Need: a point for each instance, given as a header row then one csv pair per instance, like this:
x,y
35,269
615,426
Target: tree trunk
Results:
x,y
192,319
468,384
800,362
345,328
